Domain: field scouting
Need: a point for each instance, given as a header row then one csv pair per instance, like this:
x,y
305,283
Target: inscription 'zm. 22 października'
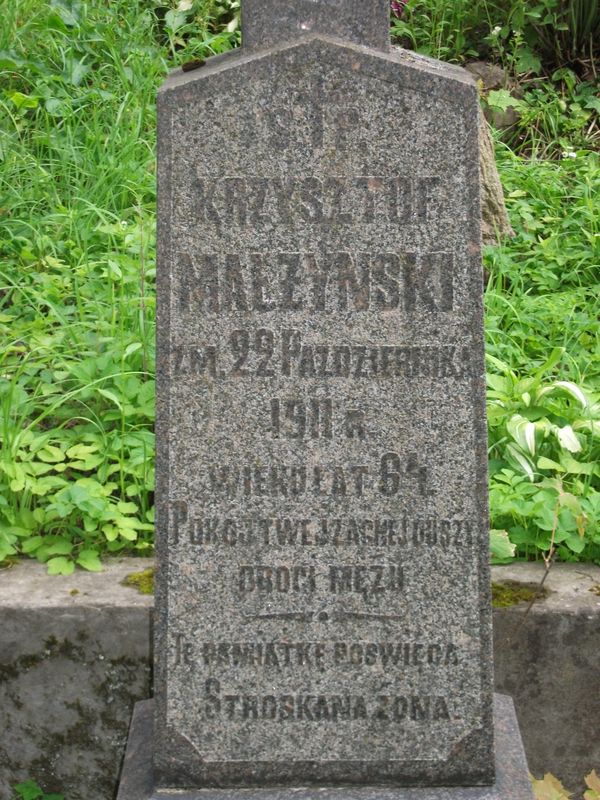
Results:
x,y
322,592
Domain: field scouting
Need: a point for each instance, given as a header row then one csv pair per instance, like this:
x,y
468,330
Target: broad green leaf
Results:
x,y
523,432
501,99
82,450
67,11
21,100
31,544
28,790
128,533
62,547
575,543
527,62
568,439
566,386
50,454
593,103
521,461
112,397
501,365
499,383
132,348
577,467
547,463
593,426
126,508
111,532
89,559
500,545
60,566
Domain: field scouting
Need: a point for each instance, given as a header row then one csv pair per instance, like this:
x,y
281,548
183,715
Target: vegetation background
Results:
x,y
77,264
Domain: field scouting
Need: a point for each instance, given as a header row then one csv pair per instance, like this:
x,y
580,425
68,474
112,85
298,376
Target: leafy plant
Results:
x,y
77,270
29,790
545,449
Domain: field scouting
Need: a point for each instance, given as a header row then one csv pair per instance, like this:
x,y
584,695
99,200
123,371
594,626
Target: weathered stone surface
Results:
x,y
271,22
494,217
547,659
323,590
550,667
73,660
491,76
512,783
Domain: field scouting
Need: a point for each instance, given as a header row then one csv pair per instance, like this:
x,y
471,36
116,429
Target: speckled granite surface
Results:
x,y
323,582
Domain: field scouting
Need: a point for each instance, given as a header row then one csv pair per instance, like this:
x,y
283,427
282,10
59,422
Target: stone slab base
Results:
x,y
512,781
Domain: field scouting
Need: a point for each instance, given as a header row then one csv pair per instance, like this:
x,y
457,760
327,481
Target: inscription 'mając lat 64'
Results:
x,y
322,462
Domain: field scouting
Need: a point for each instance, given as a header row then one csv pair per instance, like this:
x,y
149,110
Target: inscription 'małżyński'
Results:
x,y
325,506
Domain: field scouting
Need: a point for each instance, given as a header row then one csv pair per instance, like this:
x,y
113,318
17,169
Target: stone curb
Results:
x,y
75,656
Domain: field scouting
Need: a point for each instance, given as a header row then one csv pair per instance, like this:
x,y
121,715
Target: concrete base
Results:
x,y
512,781
75,654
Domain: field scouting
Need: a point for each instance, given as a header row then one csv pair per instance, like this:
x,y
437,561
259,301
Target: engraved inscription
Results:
x,y
263,352
221,283
406,530
319,708
364,199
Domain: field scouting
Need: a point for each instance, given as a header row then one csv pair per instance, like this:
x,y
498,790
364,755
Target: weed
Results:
x,y
29,790
77,269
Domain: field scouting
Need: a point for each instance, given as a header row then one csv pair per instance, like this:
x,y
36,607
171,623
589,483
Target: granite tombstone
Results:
x,y
323,612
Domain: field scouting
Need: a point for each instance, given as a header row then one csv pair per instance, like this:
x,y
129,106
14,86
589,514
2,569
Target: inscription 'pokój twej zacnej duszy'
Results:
x,y
323,610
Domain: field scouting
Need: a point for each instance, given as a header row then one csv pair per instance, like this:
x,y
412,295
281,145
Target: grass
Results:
x,y
77,268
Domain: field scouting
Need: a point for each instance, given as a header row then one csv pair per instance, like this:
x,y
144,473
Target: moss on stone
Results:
x,y
510,593
142,581
596,589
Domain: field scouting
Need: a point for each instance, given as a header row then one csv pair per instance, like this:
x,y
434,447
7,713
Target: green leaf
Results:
x,y
527,61
570,388
21,100
593,783
501,547
31,544
50,454
568,439
56,107
501,99
89,559
547,463
81,451
61,547
28,790
126,508
175,20
523,432
520,460
593,103
67,11
60,566
112,397
549,788
574,467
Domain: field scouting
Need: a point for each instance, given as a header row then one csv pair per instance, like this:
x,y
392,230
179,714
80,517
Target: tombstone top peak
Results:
x,y
270,22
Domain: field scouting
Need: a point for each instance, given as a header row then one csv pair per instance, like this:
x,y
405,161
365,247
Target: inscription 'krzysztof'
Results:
x,y
346,201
